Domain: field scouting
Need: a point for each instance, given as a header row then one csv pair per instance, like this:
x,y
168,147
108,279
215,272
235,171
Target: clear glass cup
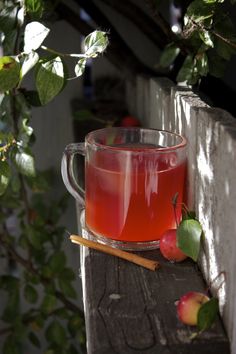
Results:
x,y
131,178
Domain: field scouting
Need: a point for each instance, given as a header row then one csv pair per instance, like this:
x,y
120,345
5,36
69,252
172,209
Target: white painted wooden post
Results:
x,y
211,182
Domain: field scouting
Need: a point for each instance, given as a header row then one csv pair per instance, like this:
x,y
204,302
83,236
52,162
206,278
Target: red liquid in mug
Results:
x,y
130,198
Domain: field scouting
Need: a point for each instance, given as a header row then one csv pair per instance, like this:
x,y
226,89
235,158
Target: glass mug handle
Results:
x,y
67,171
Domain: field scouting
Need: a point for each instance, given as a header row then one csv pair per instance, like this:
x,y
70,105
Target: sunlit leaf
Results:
x,y
80,67
49,79
206,37
25,163
34,8
35,33
95,43
29,61
25,132
9,73
186,70
212,1
202,64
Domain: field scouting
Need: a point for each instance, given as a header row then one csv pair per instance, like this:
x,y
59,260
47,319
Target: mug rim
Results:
x,y
91,140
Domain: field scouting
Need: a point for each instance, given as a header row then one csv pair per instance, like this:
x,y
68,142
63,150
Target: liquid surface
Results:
x,y
129,197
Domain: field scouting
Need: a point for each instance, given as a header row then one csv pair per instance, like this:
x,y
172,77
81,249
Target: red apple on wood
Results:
x,y
189,305
168,247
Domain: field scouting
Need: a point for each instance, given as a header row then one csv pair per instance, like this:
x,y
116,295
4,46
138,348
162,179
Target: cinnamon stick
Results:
x,y
131,257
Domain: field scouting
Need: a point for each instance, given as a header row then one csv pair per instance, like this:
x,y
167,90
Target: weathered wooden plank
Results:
x,y
133,310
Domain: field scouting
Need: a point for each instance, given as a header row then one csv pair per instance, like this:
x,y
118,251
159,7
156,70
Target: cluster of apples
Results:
x,y
190,303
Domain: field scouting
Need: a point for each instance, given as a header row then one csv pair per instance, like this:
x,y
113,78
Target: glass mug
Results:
x,y
131,178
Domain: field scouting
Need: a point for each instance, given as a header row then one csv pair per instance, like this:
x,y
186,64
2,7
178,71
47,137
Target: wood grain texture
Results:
x,y
131,310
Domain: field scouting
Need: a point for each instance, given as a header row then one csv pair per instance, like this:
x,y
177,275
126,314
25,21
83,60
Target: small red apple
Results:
x,y
129,121
189,305
168,247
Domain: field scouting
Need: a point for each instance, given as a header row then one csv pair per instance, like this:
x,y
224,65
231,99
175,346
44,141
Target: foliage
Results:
x,y
207,41
36,247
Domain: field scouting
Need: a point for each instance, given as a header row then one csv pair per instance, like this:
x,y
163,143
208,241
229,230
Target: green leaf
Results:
x,y
55,333
9,73
189,237
34,339
49,79
30,294
57,262
80,67
35,33
169,54
67,288
95,43
11,309
83,115
212,1
73,350
25,132
207,314
32,278
75,324
217,64
11,346
49,303
34,8
29,61
67,274
4,176
186,215
200,11
25,163
34,237
32,97
40,183
202,64
224,50
206,37
62,313
186,71
9,283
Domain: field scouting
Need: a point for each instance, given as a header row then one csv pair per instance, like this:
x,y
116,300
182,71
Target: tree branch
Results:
x,y
163,24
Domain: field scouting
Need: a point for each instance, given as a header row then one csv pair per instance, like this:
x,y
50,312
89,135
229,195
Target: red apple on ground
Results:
x,y
168,247
189,305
